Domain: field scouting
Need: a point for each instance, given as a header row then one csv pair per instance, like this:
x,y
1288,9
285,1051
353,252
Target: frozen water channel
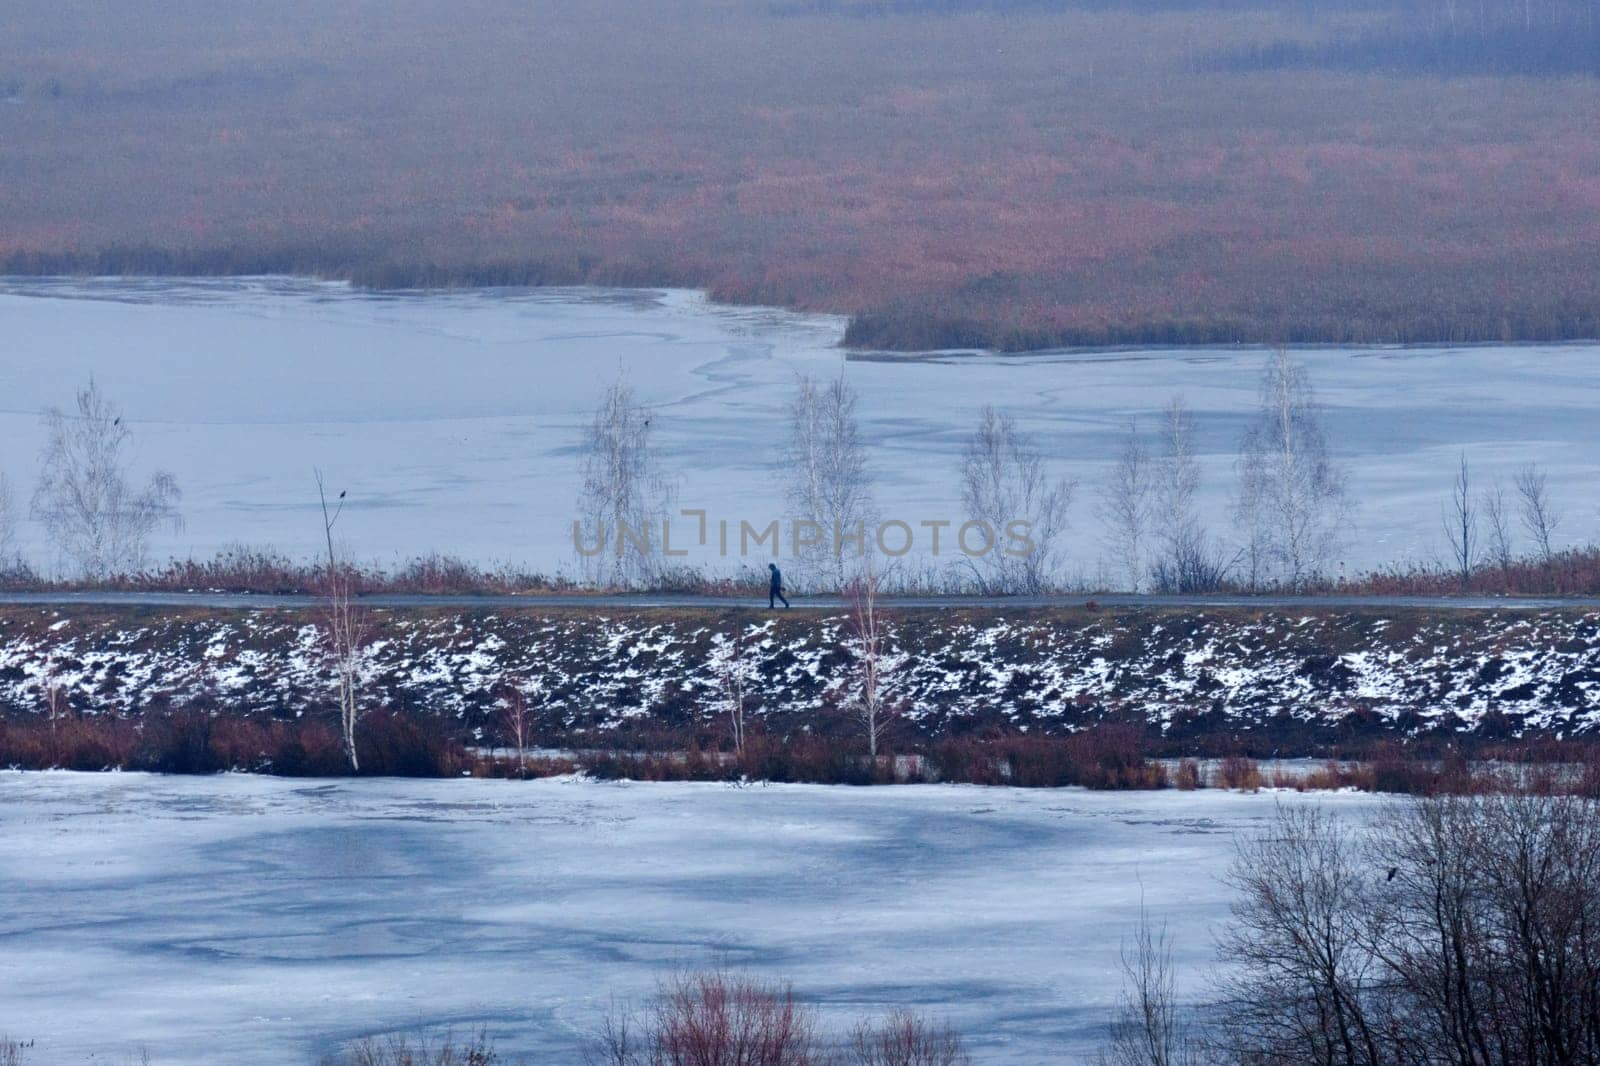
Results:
x,y
264,920
453,417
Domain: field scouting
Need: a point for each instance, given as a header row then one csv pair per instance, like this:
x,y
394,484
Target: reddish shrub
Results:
x,y
1189,775
716,1019
177,743
309,749
905,1039
1239,771
389,744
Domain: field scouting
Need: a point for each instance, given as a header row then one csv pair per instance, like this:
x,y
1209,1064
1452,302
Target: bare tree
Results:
x,y
94,514
1184,559
1461,524
869,631
1497,519
1291,503
1125,507
828,481
1456,931
625,497
343,628
516,722
1306,976
1491,927
1540,518
1004,485
1148,1029
732,665
1462,930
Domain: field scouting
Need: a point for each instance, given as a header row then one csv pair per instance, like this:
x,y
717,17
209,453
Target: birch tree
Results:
x,y
1004,481
1292,503
1184,557
875,662
826,477
1125,507
96,516
625,496
515,724
734,668
343,628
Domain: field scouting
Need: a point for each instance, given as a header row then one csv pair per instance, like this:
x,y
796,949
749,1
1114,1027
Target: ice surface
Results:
x,y
452,418
259,920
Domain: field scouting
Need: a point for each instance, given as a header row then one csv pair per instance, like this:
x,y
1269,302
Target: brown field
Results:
x,y
949,173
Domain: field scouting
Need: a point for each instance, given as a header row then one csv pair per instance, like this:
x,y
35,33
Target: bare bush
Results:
x,y
1292,503
713,1019
1149,1029
903,1038
95,515
1239,771
625,496
403,1050
1004,485
828,483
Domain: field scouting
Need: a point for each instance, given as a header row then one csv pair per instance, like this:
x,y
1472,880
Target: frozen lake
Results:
x,y
452,418
270,919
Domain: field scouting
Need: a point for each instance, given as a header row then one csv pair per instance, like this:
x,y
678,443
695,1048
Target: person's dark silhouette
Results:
x,y
775,588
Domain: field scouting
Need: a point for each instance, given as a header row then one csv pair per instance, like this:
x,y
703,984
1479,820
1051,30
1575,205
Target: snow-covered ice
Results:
x,y
453,417
263,920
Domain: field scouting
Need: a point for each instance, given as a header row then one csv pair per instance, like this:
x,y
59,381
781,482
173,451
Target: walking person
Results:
x,y
775,587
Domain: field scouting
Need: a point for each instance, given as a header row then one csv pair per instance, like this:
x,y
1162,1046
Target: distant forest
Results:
x,y
948,173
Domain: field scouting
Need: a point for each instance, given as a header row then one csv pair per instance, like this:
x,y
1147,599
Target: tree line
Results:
x,y
1290,507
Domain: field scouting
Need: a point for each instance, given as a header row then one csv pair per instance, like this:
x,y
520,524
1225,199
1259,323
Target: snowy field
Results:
x,y
262,921
452,418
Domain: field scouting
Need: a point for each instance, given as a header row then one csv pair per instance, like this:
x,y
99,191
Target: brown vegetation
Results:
x,y
1567,573
1008,174
1575,572
391,744
269,572
713,1018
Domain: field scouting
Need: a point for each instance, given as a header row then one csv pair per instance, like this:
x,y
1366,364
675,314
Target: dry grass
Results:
x,y
1006,174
